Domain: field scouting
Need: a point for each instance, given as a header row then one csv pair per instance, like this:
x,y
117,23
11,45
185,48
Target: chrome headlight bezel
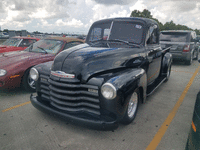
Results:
x,y
108,91
2,72
34,74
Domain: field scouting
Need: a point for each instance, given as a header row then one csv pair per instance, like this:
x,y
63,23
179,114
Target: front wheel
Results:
x,y
27,82
131,110
168,73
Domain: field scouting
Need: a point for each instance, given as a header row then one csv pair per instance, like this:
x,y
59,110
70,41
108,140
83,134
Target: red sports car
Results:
x,y
15,66
17,44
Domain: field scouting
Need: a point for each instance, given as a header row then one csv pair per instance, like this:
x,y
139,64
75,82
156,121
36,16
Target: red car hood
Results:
x,y
17,58
4,48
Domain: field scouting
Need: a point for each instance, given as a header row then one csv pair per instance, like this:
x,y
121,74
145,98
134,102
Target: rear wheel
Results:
x,y
131,110
196,54
189,62
27,82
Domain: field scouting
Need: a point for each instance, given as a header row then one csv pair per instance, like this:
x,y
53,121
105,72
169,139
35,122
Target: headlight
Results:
x,y
34,74
108,91
2,72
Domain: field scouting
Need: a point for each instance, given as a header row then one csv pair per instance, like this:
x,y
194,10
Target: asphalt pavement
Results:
x,y
162,123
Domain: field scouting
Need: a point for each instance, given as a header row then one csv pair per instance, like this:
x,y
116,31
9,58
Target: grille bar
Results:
x,y
75,109
77,98
72,92
71,104
65,85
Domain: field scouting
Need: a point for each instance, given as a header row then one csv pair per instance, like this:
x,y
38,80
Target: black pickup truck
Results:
x,y
100,83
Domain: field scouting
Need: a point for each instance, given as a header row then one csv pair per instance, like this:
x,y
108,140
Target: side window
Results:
x,y
71,44
193,37
153,35
95,34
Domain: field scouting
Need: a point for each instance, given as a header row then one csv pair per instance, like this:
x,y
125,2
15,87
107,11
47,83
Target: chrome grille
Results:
x,y
69,95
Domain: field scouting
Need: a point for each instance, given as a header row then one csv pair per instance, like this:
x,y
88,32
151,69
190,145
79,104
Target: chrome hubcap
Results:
x,y
132,106
31,82
168,71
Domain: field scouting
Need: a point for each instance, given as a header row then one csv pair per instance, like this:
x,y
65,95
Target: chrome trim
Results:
x,y
62,74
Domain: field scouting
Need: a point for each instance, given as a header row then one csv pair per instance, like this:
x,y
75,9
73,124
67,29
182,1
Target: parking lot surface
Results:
x,y
162,123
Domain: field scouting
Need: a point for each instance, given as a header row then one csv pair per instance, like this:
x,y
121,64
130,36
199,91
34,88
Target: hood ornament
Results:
x,y
62,74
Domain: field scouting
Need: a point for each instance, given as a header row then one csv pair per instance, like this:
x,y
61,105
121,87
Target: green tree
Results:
x,y
5,30
145,14
167,26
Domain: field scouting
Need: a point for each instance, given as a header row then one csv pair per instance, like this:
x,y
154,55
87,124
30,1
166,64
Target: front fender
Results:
x,y
166,62
129,80
125,83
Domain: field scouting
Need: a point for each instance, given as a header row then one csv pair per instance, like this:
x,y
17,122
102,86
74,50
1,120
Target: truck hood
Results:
x,y
18,57
84,61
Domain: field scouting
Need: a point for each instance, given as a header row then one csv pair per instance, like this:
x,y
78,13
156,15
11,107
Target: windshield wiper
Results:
x,y
126,42
43,49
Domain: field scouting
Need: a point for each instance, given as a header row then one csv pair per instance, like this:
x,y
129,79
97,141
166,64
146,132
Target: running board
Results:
x,y
151,88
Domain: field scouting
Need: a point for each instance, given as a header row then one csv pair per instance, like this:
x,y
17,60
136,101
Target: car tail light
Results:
x,y
186,48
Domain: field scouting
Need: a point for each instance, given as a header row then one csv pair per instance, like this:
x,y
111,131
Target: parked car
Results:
x,y
15,66
17,44
183,42
4,35
193,142
100,83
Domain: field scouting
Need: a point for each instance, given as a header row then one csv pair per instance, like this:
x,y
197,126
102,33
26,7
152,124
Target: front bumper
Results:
x,y
94,124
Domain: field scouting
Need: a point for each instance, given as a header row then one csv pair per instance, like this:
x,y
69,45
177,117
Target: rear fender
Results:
x,y
166,62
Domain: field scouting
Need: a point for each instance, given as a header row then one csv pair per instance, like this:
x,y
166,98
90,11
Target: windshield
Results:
x,y
174,36
117,30
46,46
12,42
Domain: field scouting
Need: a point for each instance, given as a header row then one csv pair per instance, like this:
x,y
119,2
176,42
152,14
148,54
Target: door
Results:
x,y
154,55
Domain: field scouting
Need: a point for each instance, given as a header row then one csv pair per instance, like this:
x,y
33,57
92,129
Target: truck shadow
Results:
x,y
15,91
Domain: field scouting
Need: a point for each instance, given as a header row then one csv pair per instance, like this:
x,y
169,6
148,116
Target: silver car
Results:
x,y
184,45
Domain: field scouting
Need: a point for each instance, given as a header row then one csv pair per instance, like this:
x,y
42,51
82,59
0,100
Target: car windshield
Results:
x,y
117,30
174,36
46,46
12,42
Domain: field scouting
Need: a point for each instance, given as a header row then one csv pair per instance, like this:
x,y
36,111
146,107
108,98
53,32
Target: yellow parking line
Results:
x,y
157,138
16,106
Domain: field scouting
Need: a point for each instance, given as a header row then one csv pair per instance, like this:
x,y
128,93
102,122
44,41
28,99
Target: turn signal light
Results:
x,y
186,48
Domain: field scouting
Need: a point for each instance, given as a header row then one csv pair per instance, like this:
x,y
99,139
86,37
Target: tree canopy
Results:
x,y
167,26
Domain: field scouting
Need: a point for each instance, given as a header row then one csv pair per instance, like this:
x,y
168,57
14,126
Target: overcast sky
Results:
x,y
76,16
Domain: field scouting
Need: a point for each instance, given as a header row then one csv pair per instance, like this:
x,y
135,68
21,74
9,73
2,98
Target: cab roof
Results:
x,y
148,22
